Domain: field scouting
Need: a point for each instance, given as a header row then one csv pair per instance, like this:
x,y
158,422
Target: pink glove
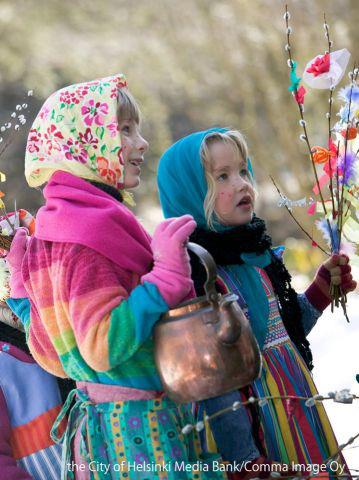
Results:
x,y
14,261
171,272
335,270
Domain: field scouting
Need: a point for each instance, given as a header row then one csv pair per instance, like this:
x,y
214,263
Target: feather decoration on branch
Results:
x,y
335,164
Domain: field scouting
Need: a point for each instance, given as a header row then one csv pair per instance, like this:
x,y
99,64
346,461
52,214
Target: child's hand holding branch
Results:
x,y
334,271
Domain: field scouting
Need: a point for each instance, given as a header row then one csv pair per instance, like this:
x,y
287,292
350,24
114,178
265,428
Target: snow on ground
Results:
x,y
335,346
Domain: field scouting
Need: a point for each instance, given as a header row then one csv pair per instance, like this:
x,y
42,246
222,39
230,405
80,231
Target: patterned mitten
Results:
x,y
335,270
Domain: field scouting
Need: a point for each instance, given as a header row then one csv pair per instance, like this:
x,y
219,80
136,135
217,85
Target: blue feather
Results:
x,y
331,238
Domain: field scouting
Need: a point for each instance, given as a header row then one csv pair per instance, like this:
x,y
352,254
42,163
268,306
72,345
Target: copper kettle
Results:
x,y
205,347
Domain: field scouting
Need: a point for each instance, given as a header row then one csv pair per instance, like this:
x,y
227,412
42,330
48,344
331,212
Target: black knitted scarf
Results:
x,y
116,194
226,248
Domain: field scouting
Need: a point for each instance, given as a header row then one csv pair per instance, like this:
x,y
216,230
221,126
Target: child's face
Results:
x,y
234,192
134,147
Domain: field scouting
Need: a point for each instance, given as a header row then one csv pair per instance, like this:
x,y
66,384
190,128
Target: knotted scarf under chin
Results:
x,y
234,247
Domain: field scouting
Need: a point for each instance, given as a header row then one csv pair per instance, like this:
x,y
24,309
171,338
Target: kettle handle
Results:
x,y
207,261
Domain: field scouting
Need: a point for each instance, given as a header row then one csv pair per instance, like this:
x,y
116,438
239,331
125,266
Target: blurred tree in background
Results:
x,y
192,64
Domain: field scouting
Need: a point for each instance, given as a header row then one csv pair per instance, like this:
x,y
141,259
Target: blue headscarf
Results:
x,y
181,180
182,189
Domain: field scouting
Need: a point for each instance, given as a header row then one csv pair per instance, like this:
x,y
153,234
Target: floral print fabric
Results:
x,y
77,131
135,439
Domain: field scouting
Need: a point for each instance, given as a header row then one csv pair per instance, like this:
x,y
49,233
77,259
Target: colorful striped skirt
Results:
x,y
293,432
290,431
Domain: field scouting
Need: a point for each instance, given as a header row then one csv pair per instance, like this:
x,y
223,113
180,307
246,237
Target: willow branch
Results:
x,y
296,221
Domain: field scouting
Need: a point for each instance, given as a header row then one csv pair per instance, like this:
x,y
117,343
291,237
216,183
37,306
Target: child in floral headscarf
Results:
x,y
208,175
97,285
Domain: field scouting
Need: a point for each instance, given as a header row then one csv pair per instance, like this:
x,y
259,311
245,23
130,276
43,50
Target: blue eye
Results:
x,y
222,177
126,129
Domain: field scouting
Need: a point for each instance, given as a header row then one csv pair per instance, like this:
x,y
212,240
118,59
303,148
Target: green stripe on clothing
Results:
x,y
65,342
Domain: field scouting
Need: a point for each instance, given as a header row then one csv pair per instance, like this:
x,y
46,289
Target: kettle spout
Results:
x,y
228,328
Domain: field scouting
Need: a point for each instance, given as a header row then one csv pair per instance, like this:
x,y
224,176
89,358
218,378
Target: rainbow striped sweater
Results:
x,y
90,320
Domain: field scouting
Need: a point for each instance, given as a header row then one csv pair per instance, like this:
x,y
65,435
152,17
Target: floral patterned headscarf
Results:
x,y
76,131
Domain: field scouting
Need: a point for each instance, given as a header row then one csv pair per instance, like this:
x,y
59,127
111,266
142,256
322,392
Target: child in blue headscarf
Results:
x,y
208,175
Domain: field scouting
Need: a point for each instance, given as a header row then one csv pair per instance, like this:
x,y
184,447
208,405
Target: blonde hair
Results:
x,y
127,107
234,139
